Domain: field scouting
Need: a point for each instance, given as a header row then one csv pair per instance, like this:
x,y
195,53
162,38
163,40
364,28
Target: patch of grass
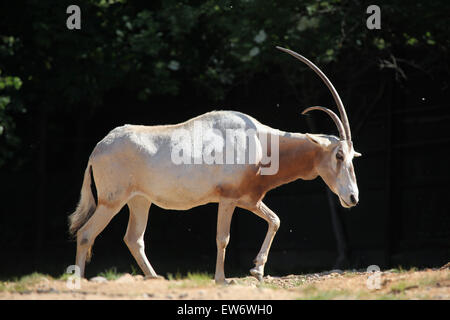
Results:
x,y
192,280
24,283
177,276
199,277
110,274
33,278
65,276
268,285
134,270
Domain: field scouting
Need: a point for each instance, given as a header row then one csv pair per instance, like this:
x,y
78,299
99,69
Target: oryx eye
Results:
x,y
339,156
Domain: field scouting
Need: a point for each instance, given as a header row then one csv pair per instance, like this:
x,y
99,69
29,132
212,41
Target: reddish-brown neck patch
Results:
x,y
297,160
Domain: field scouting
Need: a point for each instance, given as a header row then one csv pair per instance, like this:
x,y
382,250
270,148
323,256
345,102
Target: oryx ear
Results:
x,y
357,154
321,141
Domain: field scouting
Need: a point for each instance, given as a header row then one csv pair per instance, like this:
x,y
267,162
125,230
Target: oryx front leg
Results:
x,y
224,216
274,223
134,237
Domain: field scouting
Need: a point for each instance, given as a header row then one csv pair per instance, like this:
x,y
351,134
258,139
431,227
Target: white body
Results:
x,y
136,160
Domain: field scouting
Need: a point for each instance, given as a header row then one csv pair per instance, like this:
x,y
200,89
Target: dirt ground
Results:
x,y
393,284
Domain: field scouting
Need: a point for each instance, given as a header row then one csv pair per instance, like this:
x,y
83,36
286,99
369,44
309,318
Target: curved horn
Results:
x,y
330,86
333,116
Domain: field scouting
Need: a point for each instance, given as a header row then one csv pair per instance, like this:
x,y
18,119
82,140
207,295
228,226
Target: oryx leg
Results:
x,y
274,223
134,237
91,229
224,216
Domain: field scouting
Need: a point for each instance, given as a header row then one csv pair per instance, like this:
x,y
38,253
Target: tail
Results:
x,y
86,206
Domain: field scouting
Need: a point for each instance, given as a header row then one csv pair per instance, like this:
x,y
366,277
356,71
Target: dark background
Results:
x,y
160,62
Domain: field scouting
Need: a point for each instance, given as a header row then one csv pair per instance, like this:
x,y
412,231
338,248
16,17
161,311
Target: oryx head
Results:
x,y
336,164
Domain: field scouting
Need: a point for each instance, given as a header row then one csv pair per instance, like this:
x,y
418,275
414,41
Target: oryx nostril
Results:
x,y
353,199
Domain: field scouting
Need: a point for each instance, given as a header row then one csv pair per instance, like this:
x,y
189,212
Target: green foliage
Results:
x,y
10,104
134,270
110,274
199,276
65,276
191,280
177,276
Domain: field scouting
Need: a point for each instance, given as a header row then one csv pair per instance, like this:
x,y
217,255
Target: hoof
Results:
x,y
257,274
220,282
224,282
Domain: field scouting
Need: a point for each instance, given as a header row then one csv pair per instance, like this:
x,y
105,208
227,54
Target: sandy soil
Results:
x,y
394,284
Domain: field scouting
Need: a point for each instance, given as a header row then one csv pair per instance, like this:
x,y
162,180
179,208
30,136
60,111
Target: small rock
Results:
x,y
182,295
335,274
232,282
338,271
169,296
138,277
98,279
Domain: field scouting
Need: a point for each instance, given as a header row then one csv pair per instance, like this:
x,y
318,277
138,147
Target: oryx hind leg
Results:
x,y
134,238
91,229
